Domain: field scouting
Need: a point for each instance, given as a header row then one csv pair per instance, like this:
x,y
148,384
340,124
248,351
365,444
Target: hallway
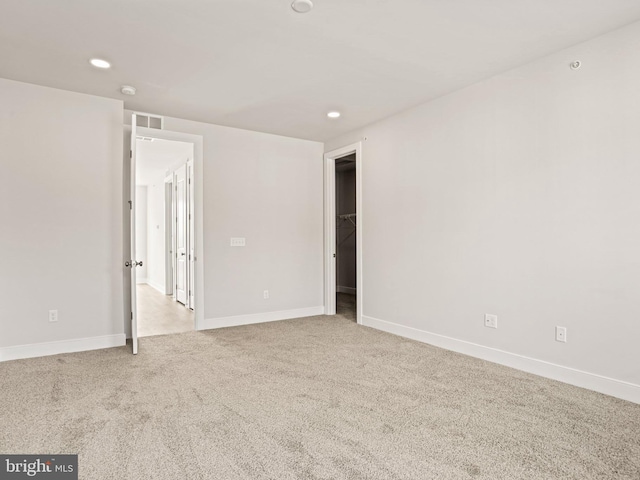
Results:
x,y
158,314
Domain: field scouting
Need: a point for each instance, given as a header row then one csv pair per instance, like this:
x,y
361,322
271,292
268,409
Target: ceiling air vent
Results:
x,y
148,121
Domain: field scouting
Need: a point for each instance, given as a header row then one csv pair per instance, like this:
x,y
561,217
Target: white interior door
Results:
x,y
191,236
132,263
168,235
181,234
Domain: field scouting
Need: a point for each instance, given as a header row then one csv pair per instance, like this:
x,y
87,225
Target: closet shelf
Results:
x,y
347,217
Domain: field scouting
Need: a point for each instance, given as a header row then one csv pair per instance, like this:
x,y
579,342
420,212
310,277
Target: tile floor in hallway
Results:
x,y
159,314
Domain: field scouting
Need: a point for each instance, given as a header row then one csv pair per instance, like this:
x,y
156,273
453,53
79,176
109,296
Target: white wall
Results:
x,y
518,196
141,233
60,205
268,189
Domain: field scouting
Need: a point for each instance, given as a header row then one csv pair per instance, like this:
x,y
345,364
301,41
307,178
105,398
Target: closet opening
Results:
x,y
346,237
343,232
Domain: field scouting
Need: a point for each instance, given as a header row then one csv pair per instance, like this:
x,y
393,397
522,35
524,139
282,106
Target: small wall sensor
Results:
x,y
128,90
302,6
575,65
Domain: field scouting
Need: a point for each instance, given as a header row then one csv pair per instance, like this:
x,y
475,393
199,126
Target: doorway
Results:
x,y
346,236
177,159
343,232
164,239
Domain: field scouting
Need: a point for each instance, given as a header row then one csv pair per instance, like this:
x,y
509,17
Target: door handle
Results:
x,y
131,263
182,254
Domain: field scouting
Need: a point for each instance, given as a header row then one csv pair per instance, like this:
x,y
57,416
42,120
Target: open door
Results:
x,y
191,236
133,263
181,235
168,235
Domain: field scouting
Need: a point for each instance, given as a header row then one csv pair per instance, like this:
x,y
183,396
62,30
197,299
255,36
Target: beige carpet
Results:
x,y
315,398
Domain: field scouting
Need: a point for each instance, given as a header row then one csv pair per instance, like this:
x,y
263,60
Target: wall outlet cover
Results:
x,y
561,334
490,320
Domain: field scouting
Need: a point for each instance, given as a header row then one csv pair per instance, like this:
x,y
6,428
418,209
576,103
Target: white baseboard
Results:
x,y
349,290
157,286
609,386
62,346
237,320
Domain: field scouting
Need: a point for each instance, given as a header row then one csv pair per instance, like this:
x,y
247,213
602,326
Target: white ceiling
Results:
x,y
154,158
258,65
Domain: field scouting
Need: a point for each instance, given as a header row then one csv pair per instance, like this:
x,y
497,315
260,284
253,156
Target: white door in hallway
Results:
x,y
191,237
181,234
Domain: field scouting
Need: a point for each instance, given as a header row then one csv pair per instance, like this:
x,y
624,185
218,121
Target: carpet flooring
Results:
x,y
312,398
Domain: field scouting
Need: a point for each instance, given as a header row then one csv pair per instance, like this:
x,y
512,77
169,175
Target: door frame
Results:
x,y
330,228
197,185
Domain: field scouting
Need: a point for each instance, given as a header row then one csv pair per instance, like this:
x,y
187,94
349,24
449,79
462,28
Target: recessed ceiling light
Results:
x,y
99,63
333,114
302,6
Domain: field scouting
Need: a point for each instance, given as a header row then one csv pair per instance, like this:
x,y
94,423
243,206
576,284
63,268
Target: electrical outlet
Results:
x,y
53,315
490,320
561,334
238,241
265,294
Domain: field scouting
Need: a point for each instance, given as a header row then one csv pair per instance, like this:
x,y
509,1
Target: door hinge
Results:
x,y
130,205
130,153
131,315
